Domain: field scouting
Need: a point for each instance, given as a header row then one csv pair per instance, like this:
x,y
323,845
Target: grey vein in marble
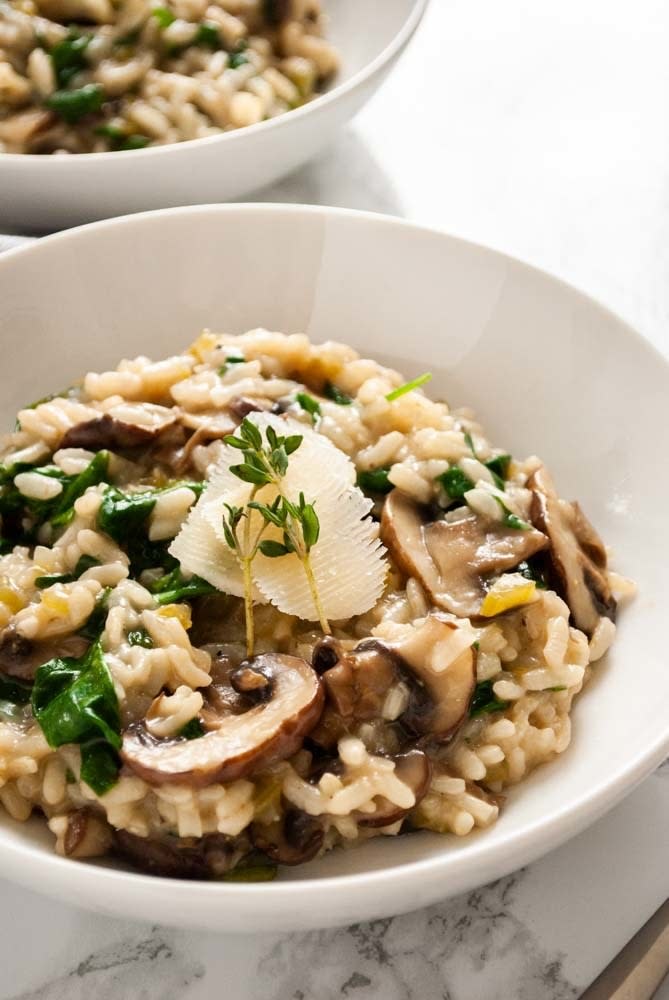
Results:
x,y
441,952
154,964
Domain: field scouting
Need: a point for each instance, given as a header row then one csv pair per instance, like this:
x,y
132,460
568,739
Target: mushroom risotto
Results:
x,y
263,598
90,76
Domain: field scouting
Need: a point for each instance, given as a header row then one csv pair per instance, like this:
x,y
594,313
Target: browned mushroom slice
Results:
x,y
577,554
209,424
86,835
453,559
415,770
271,731
356,685
187,857
292,840
241,406
21,657
439,654
130,425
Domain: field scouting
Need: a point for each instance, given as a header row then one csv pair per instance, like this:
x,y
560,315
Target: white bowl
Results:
x,y
40,193
548,370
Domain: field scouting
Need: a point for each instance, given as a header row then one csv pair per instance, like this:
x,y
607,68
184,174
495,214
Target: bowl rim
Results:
x,y
518,848
367,72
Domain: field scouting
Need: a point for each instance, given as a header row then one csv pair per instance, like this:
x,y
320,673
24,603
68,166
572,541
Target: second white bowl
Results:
x,y
39,193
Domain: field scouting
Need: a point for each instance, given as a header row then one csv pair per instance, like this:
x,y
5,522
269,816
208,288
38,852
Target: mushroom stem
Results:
x,y
311,580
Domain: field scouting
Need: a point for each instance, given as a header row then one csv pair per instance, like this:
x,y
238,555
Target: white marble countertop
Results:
x,y
541,129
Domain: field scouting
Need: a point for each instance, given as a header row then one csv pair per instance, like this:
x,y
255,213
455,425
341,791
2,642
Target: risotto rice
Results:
x,y
401,644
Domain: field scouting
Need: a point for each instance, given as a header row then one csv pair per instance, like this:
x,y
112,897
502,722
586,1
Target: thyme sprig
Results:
x,y
265,464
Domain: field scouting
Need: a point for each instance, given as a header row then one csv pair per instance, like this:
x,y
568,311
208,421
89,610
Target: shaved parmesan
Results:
x,y
348,561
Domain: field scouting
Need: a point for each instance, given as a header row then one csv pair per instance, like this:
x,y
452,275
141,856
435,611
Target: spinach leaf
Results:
x,y
336,395
93,628
499,466
193,730
72,105
375,480
123,517
175,587
75,487
68,57
308,403
455,482
163,16
74,701
207,35
13,690
531,571
140,637
83,563
485,700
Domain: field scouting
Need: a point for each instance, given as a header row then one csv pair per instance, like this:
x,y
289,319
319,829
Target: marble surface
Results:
x,y
541,129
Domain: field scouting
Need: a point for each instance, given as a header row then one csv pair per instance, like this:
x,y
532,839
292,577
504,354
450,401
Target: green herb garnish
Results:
x,y
558,687
265,463
499,466
72,105
308,403
74,701
402,390
485,700
375,480
330,391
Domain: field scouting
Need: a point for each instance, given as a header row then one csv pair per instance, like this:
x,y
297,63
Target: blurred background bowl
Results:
x,y
41,193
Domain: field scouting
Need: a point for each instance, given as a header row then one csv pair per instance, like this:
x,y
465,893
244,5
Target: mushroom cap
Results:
x,y
577,554
21,657
440,656
123,427
453,559
415,770
240,744
292,840
183,857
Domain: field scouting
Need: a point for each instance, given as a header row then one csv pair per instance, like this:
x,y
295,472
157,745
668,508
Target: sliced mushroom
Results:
x,y
186,857
415,770
86,835
440,656
241,406
356,685
124,427
577,554
453,559
292,840
210,424
240,744
21,657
